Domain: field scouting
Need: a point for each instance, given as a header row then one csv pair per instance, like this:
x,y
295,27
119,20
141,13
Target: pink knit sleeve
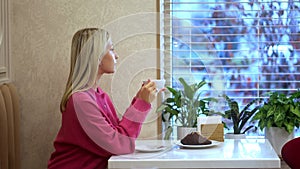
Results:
x,y
118,139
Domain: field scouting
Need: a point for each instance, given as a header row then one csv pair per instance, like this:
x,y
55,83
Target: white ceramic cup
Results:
x,y
160,83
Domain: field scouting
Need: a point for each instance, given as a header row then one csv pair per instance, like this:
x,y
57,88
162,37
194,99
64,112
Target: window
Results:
x,y
241,48
4,43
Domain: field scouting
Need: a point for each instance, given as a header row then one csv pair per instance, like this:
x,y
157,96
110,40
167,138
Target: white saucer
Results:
x,y
213,143
150,148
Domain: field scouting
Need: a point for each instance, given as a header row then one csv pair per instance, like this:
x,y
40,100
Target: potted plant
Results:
x,y
185,105
279,115
240,118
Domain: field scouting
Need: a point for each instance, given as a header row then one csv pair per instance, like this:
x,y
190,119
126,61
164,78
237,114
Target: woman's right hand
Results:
x,y
147,92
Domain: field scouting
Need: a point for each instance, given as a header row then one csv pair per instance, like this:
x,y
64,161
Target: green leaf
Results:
x,y
289,127
173,91
168,133
161,108
295,110
248,128
170,100
279,117
261,124
271,111
257,116
187,89
171,111
268,124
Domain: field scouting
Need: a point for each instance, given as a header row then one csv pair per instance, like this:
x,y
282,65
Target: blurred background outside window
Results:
x,y
241,48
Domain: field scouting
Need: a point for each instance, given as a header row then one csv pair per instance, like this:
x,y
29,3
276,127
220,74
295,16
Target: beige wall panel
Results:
x,y
41,33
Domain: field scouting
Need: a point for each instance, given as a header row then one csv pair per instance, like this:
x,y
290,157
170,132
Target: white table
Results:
x,y
241,153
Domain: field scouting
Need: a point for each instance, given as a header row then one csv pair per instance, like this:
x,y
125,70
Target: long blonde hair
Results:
x,y
89,45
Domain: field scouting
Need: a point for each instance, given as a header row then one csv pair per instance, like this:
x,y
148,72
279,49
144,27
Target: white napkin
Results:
x,y
208,120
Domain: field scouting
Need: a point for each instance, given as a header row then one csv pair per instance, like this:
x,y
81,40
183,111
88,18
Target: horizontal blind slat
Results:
x,y
237,27
215,3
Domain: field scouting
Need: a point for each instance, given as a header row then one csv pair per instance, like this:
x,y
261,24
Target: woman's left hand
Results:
x,y
147,92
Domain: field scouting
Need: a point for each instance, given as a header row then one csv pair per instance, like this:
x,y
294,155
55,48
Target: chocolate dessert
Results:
x,y
195,138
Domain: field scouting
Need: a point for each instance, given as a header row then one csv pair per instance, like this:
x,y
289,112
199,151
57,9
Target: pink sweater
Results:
x,y
91,131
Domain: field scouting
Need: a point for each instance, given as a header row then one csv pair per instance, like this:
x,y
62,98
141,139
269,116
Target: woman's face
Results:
x,y
109,60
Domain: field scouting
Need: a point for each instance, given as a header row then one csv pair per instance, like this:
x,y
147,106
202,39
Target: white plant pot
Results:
x,y
234,136
278,137
183,131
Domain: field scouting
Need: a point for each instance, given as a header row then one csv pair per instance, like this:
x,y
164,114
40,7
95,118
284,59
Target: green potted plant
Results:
x,y
279,115
280,110
185,105
240,118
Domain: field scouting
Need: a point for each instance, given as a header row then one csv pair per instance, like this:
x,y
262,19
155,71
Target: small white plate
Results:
x,y
213,143
150,148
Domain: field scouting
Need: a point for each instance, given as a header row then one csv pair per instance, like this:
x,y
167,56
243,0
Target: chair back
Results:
x,y
9,127
290,153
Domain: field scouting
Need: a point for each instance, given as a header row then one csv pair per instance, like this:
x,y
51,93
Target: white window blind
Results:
x,y
241,48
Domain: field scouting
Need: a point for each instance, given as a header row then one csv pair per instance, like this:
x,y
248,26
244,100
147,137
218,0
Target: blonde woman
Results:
x,y
91,131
